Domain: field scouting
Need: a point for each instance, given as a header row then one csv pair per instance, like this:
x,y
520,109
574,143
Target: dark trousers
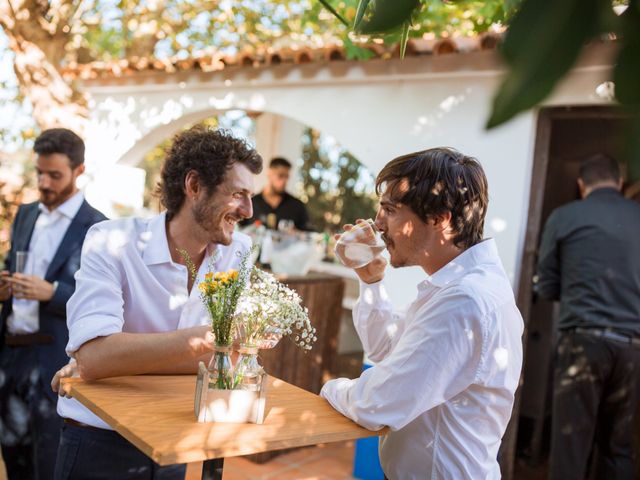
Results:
x,y
29,424
595,395
94,453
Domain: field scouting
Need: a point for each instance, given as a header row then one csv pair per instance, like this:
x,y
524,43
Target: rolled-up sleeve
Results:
x,y
96,308
437,357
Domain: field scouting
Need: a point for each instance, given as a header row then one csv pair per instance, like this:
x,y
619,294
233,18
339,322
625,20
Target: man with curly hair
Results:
x,y
135,310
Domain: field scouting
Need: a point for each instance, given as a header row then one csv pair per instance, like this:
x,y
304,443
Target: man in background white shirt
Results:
x,y
33,330
135,310
448,368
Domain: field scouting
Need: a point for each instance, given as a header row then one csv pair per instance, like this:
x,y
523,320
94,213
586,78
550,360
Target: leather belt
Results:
x,y
75,423
609,335
28,339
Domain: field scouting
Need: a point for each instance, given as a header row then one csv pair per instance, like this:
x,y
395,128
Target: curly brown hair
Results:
x,y
210,153
440,180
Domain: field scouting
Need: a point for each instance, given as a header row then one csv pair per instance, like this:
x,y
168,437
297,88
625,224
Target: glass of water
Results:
x,y
21,261
358,247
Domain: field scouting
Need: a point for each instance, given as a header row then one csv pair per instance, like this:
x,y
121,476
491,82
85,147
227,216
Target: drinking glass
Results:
x,y
358,247
286,225
21,261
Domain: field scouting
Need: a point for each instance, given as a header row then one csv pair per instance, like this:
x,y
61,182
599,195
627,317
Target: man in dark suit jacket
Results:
x,y
33,329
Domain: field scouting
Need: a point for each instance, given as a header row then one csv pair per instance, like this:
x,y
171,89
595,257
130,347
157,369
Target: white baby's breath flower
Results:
x,y
268,306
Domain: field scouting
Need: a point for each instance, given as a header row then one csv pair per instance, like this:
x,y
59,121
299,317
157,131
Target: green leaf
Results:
x,y
355,52
541,45
362,7
405,38
386,15
335,13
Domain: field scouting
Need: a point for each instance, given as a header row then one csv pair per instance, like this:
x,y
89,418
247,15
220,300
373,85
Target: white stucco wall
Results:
x,y
375,116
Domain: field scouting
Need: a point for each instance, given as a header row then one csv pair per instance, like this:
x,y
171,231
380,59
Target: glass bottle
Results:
x,y
220,368
248,371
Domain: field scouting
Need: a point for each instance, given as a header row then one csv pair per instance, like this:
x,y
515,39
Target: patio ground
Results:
x,y
332,461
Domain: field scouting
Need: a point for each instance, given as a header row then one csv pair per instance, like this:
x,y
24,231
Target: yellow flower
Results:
x,y
214,281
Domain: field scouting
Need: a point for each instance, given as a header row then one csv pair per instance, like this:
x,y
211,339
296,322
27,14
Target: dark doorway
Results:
x,y
564,137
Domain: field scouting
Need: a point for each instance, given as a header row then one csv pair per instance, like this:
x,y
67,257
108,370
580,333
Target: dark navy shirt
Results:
x,y
290,208
589,259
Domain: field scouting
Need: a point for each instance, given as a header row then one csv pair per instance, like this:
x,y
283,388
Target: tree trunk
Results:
x,y
38,34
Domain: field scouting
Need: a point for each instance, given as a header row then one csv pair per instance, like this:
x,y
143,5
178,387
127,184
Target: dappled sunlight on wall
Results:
x,y
433,119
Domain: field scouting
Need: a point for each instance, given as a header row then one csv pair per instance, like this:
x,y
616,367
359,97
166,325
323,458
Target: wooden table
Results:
x,y
155,413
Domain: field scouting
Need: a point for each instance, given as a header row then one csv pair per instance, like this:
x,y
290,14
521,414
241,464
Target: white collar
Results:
x,y
156,250
69,208
484,252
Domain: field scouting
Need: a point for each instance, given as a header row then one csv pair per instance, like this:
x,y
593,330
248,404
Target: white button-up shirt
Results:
x,y
447,373
127,282
48,232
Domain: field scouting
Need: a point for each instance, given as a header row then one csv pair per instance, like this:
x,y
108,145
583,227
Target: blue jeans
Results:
x,y
93,453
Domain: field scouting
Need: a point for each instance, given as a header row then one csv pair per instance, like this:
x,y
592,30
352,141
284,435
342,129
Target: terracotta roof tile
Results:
x,y
251,58
445,46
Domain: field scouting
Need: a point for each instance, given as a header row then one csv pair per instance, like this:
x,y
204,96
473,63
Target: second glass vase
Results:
x,y
221,369
248,371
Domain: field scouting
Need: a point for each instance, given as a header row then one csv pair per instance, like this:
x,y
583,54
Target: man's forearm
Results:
x,y
137,353
186,366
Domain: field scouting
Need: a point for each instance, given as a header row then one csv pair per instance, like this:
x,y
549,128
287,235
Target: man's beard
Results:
x,y
205,218
51,199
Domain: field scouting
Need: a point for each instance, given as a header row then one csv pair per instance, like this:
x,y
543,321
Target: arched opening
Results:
x,y
335,186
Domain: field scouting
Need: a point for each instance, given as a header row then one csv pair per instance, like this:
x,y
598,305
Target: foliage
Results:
x,y
337,187
130,28
388,18
152,165
10,199
70,31
15,189
543,42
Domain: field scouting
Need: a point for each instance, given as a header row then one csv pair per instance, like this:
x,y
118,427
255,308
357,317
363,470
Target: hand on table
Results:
x,y
5,286
69,370
30,287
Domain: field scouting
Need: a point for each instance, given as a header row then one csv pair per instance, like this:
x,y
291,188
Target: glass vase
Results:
x,y
270,338
220,368
248,371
